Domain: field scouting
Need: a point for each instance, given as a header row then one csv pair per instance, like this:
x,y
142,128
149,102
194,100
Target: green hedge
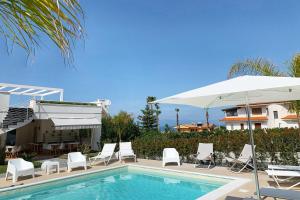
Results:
x,y
268,144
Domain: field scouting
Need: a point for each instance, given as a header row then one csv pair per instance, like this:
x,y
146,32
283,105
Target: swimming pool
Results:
x,y
123,183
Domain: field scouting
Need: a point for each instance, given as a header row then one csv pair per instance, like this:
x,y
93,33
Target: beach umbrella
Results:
x,y
240,90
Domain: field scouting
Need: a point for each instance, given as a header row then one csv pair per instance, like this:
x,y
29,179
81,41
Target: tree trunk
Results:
x,y
207,116
298,120
177,119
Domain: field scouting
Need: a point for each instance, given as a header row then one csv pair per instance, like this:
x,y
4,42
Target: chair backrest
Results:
x,y
205,149
18,163
246,152
108,149
125,146
75,157
170,152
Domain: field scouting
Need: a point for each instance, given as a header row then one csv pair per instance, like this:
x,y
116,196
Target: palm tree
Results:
x,y
25,22
120,122
207,117
257,66
263,67
177,116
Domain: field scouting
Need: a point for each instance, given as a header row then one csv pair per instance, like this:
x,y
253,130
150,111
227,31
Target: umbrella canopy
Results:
x,y
240,90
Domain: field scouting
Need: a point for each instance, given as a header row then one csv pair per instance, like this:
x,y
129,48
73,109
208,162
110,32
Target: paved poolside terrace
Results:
x,y
246,190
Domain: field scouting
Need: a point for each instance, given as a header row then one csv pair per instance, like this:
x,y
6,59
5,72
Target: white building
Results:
x,y
48,122
267,115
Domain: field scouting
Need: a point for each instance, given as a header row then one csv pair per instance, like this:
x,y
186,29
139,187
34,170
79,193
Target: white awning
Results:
x,y
75,123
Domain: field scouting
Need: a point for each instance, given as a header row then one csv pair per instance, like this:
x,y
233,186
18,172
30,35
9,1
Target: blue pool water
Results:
x,y
122,184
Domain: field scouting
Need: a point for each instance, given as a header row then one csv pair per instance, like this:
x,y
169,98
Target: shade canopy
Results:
x,y
75,123
240,90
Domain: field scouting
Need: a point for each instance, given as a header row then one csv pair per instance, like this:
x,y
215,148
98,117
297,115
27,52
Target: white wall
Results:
x,y
237,125
283,110
46,111
4,105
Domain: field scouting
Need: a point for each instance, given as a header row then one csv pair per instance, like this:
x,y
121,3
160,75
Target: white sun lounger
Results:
x,y
126,151
204,153
170,155
76,159
280,193
244,159
105,155
284,167
288,174
19,167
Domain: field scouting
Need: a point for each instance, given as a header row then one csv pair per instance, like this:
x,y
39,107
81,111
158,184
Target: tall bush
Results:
x,y
277,146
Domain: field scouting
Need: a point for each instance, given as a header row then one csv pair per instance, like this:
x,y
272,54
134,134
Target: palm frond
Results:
x,y
257,66
24,22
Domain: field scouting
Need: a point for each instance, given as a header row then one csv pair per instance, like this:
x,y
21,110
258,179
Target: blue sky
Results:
x,y
134,49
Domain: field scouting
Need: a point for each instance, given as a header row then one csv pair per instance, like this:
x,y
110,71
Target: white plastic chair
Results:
x,y
205,153
76,159
19,167
126,151
105,155
244,159
170,155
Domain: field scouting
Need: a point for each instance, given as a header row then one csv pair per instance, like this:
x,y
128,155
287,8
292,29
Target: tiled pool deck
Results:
x,y
246,190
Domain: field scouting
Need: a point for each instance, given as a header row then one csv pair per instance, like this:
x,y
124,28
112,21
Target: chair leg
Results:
x,y
209,164
232,165
6,175
293,185
14,178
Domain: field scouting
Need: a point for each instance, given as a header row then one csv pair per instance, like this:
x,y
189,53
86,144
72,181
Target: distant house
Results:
x,y
264,115
193,127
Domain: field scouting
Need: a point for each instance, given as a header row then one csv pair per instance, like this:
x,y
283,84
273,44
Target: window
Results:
x,y
242,127
232,127
256,111
231,113
257,125
267,110
275,113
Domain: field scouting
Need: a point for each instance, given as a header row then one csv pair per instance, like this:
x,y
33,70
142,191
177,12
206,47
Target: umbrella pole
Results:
x,y
253,150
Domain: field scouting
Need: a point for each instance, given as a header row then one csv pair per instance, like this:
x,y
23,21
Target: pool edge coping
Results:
x,y
236,182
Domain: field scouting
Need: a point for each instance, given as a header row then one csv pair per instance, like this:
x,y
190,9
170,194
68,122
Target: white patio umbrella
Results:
x,y
241,90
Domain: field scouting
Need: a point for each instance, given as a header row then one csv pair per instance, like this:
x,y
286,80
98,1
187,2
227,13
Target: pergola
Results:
x,y
28,90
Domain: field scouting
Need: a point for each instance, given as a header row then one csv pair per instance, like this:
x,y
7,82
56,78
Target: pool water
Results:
x,y
122,183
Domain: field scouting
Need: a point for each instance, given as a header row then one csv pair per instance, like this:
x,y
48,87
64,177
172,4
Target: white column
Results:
x,y
4,106
95,139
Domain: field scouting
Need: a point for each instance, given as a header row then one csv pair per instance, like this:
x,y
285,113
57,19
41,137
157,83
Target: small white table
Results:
x,y
48,165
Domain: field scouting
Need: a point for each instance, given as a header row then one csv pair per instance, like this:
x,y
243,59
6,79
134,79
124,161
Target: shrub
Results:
x,y
277,146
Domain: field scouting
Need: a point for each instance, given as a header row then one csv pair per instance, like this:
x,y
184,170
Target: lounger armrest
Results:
x,y
28,164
